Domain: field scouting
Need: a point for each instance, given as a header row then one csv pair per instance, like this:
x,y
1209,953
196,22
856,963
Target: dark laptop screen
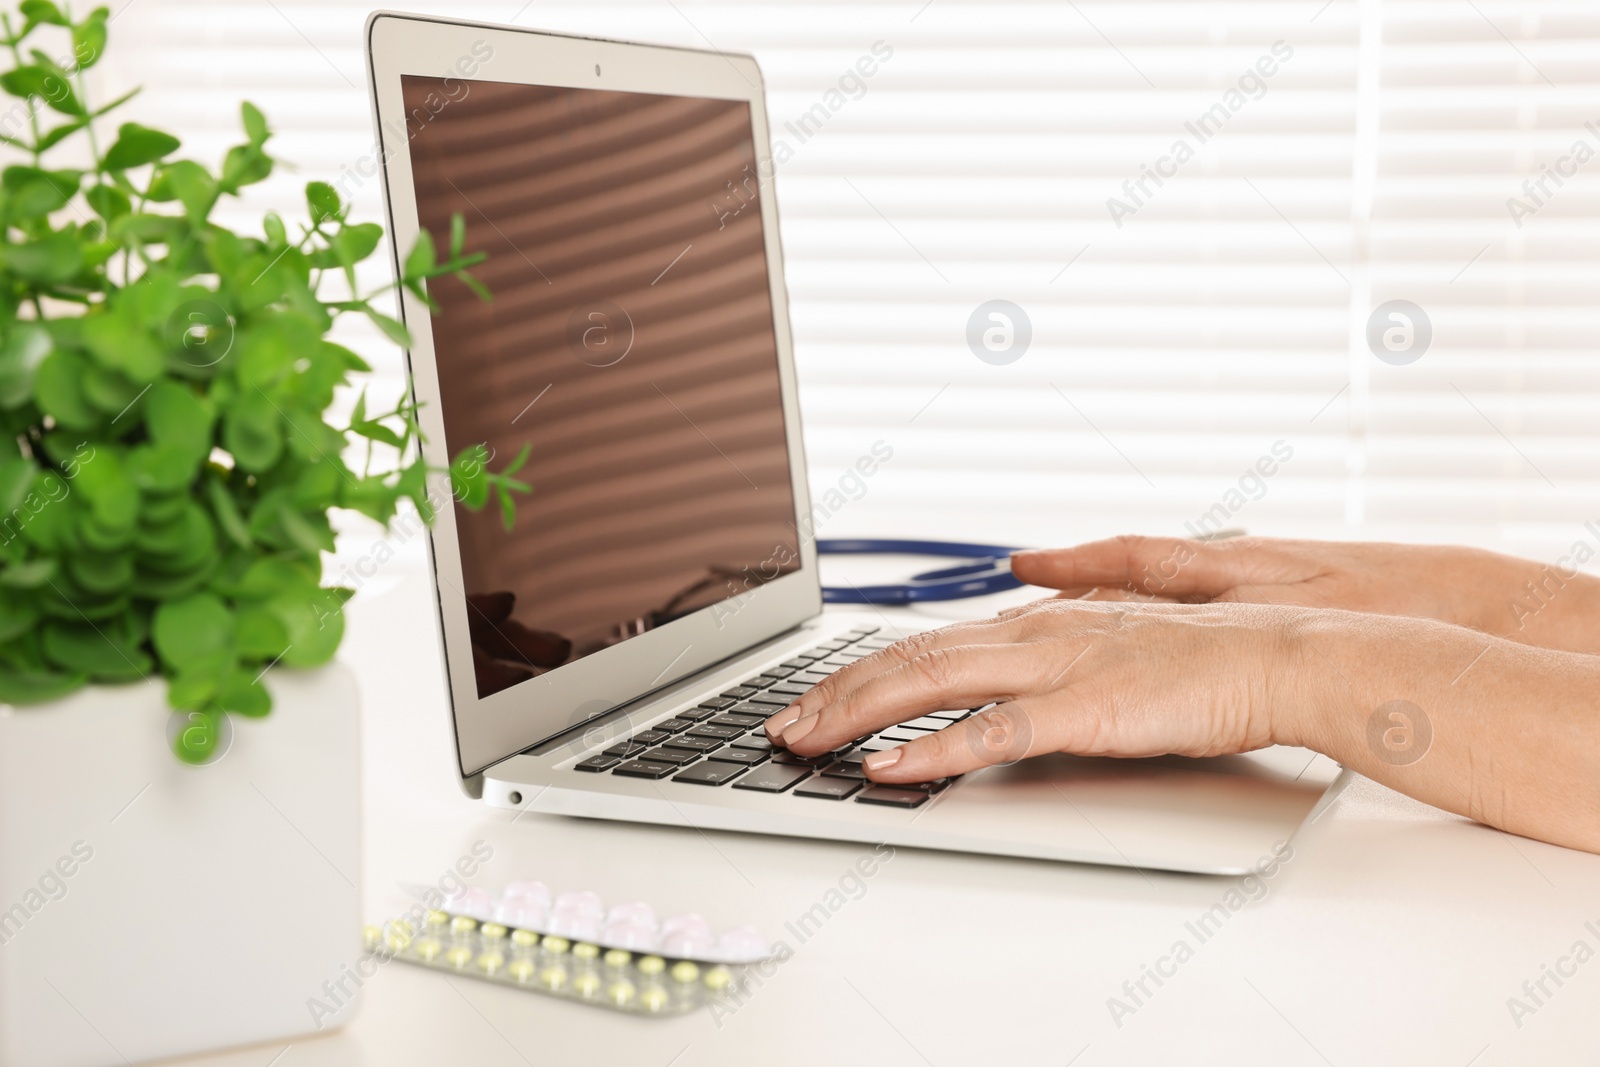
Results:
x,y
629,346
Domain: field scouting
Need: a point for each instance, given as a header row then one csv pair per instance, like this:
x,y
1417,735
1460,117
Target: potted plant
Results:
x,y
166,478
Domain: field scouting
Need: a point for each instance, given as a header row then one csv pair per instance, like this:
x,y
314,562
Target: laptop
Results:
x,y
614,636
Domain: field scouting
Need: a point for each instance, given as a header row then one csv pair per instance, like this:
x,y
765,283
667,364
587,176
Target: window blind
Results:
x,y
1196,205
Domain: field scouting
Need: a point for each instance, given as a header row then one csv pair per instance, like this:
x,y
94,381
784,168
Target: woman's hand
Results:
x,y
1553,606
1501,732
1066,676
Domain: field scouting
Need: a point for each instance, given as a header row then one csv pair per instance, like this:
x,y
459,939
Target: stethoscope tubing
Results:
x,y
988,572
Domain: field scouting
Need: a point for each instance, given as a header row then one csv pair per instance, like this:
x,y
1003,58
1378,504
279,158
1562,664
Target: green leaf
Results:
x,y
323,200
303,533
315,621
252,431
244,165
109,202
197,741
190,183
255,124
102,572
458,234
188,630
44,82
42,11
92,651
227,514
175,414
36,687
33,193
261,634
16,618
57,389
138,145
29,575
243,694
89,39
420,259
110,391
48,260
469,476
393,329
24,348
352,244
122,344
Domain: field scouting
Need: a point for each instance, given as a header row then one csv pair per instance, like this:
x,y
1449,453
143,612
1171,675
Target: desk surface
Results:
x,y
1396,933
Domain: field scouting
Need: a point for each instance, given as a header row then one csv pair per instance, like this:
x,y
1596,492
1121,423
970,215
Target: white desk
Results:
x,y
1396,933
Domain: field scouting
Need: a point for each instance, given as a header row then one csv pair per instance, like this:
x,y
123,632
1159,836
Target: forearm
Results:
x,y
1552,605
1504,733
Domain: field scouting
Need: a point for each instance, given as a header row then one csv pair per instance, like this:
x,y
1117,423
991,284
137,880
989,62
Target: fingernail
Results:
x,y
877,761
800,727
776,724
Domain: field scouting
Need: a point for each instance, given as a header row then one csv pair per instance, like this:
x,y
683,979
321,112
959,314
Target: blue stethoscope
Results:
x,y
989,571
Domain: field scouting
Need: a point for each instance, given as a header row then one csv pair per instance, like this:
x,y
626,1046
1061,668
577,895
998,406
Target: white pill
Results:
x,y
688,942
743,944
572,925
690,921
581,902
635,936
634,911
527,914
473,902
532,892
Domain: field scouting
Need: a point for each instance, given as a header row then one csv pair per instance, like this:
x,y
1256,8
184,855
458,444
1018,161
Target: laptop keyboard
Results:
x,y
722,743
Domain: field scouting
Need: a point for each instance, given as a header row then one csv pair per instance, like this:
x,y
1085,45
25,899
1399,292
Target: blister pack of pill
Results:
x,y
573,946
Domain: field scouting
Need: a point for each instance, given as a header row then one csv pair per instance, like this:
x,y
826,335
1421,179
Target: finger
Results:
x,y
1110,593
1164,566
881,662
966,676
1002,734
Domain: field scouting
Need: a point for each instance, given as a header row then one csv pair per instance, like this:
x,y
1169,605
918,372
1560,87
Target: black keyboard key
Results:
x,y
718,703
807,678
754,707
892,797
799,664
696,714
824,651
828,788
775,778
747,756
673,725
624,749
844,769
938,785
598,763
711,772
744,722
721,733
650,737
694,744
676,756
760,681
865,631
850,657
739,692
788,691
758,742
778,674
927,722
771,700
645,769
790,759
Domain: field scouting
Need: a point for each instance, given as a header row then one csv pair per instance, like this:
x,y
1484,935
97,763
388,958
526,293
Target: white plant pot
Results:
x,y
149,908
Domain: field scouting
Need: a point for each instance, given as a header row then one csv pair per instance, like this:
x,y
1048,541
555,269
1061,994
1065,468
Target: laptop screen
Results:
x,y
628,347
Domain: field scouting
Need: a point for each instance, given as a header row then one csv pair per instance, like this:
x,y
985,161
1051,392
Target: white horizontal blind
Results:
x,y
1170,353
